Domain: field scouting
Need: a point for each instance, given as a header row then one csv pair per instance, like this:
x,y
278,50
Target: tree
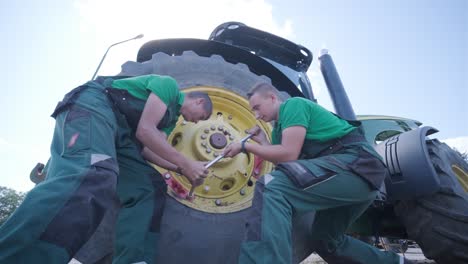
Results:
x,y
9,201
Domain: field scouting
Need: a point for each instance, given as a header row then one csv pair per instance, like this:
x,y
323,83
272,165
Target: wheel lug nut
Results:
x,y
218,202
206,130
242,191
220,128
203,136
212,127
208,150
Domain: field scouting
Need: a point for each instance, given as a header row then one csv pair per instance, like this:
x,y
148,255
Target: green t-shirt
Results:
x,y
320,124
164,87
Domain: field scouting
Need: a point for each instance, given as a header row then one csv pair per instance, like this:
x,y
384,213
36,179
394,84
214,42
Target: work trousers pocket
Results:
x,y
305,174
76,131
369,168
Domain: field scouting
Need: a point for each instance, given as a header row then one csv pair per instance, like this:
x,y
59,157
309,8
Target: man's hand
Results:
x,y
258,135
232,150
195,172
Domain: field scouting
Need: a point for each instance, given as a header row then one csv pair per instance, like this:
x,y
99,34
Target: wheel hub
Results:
x,y
218,140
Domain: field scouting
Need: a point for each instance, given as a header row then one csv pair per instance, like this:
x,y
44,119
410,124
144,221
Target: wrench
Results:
x,y
211,163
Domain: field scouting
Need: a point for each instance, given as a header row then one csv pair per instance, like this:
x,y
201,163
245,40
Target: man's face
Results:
x,y
195,111
263,106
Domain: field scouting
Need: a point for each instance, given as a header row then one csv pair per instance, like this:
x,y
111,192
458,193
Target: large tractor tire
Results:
x,y
210,228
439,222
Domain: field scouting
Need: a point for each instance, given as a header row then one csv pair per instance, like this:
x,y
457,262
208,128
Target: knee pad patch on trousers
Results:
x,y
84,210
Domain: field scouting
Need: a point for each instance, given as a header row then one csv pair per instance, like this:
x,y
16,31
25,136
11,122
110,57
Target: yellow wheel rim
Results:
x,y
230,183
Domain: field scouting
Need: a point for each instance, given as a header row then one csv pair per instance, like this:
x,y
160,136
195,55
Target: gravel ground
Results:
x,y
414,254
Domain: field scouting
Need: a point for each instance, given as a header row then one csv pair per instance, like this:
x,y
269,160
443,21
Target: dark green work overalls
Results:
x,y
141,189
336,179
91,141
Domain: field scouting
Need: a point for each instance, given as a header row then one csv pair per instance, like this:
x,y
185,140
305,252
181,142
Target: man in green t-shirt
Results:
x,y
105,131
323,165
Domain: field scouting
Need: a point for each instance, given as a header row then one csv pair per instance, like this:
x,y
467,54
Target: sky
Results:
x,y
400,58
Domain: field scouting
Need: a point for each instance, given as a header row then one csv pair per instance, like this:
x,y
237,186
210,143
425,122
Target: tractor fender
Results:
x,y
410,170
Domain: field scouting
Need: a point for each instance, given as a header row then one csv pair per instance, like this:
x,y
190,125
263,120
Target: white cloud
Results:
x,y
460,143
17,160
110,21
3,142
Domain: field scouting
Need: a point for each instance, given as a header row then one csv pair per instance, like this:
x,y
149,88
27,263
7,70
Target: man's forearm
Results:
x,y
272,153
155,159
156,143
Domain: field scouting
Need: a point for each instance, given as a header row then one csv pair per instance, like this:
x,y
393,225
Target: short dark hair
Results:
x,y
207,106
262,88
